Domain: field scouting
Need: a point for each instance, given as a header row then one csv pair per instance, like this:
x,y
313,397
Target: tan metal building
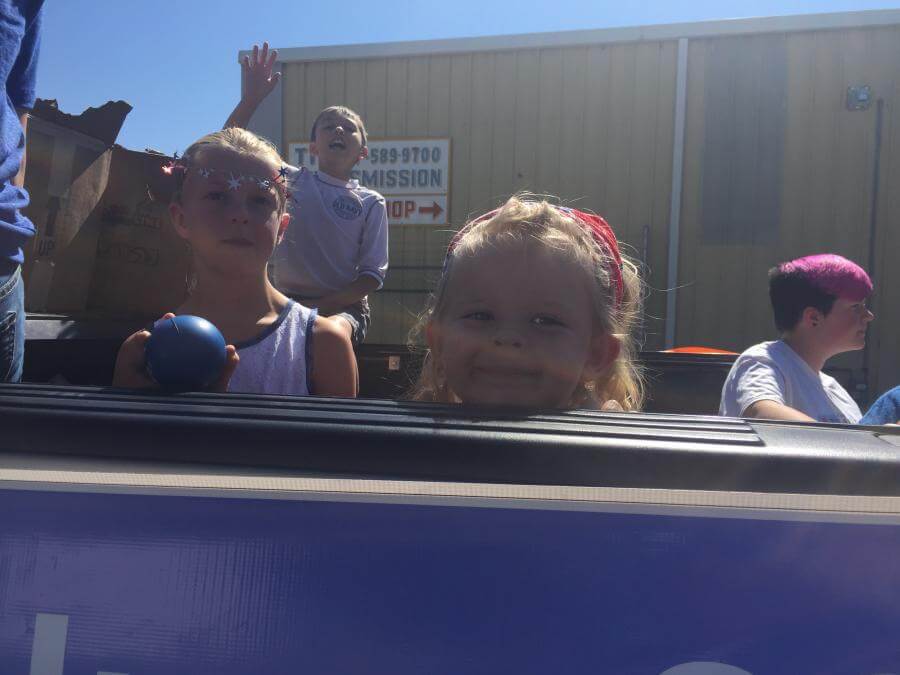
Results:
x,y
714,149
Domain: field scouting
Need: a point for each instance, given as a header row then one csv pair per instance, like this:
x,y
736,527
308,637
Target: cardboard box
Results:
x,y
141,264
104,244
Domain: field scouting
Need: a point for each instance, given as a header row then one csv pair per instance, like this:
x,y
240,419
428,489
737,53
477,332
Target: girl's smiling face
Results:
x,y
232,224
518,328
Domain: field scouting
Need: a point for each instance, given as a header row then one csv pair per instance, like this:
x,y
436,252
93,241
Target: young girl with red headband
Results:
x,y
534,309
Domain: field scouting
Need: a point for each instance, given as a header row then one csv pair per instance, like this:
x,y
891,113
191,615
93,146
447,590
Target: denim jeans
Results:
x,y
12,322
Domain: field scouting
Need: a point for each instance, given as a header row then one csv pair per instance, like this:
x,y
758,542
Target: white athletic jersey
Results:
x,y
278,360
772,371
338,232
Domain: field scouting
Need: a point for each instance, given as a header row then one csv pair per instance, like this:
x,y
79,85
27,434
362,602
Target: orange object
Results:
x,y
699,350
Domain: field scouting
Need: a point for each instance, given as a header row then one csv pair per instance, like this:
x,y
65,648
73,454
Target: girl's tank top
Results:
x,y
278,360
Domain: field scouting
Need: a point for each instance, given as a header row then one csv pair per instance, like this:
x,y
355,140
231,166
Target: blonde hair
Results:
x,y
527,219
238,140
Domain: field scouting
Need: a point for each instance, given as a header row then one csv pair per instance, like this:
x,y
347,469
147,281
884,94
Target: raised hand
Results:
x,y
257,77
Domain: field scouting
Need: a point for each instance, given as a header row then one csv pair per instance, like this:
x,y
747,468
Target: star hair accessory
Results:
x,y
173,167
599,229
233,181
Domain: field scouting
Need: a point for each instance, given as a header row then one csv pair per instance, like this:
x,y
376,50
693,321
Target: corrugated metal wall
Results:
x,y
775,165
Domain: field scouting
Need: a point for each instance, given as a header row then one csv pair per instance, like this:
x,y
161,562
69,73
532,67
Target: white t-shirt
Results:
x,y
772,371
338,232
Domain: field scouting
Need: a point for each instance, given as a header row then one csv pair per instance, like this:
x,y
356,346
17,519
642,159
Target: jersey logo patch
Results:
x,y
347,207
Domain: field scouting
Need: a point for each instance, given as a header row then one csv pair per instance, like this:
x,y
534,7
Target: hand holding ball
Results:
x,y
185,353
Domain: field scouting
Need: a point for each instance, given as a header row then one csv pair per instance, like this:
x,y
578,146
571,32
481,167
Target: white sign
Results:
x,y
417,209
413,174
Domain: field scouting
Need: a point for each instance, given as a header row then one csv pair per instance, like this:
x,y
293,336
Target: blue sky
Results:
x,y
175,61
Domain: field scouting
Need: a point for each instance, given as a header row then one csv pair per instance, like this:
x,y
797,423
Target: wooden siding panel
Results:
x,y
655,270
292,120
460,132
376,98
482,130
415,236
437,238
397,101
689,260
355,89
313,96
639,205
502,182
597,127
800,129
571,140
884,355
525,151
550,108
335,83
623,64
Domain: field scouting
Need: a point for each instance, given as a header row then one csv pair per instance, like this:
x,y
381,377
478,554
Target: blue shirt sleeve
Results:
x,y
886,410
20,86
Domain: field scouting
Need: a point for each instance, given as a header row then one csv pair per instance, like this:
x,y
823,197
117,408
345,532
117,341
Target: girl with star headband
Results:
x,y
534,308
229,205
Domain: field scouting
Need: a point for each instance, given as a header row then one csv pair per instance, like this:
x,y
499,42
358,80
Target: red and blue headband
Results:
x,y
599,229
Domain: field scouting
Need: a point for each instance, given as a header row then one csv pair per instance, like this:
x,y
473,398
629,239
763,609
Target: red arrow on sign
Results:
x,y
435,210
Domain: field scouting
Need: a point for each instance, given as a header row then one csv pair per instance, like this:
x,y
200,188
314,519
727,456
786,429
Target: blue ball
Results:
x,y
185,353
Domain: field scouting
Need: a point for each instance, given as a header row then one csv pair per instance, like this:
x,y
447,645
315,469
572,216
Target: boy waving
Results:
x,y
335,251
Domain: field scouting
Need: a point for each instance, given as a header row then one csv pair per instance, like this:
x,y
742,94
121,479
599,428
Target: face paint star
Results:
x,y
282,172
204,172
234,183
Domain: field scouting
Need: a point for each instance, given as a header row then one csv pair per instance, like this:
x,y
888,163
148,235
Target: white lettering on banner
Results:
x,y
50,634
48,649
705,668
413,174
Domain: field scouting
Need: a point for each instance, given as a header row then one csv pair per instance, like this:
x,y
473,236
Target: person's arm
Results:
x,y
334,371
19,179
773,410
21,80
257,82
371,265
336,302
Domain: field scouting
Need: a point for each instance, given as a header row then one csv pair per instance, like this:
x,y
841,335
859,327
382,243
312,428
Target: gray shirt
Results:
x,y
338,232
772,371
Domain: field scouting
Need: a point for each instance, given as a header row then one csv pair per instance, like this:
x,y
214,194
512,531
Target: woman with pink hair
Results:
x,y
819,304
